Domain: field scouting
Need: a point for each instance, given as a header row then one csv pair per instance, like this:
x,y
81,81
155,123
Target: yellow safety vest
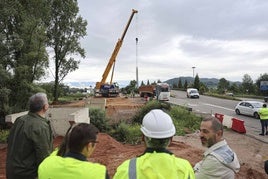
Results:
x,y
57,167
263,112
155,166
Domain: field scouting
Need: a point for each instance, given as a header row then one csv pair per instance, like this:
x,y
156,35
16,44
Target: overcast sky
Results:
x,y
221,39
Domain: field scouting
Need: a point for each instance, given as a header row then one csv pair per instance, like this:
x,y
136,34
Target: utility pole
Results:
x,y
193,71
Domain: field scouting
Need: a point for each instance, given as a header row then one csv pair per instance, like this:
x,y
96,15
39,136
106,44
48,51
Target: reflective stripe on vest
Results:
x,y
132,172
132,169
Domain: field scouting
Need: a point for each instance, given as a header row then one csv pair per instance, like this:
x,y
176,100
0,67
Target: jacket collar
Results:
x,y
157,150
215,146
75,155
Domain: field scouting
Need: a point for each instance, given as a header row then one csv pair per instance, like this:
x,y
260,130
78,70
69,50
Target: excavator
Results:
x,y
112,89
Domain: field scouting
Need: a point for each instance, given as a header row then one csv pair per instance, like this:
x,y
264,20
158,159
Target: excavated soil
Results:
x,y
112,153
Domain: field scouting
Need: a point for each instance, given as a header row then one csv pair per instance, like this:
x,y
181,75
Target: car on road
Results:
x,y
249,108
192,93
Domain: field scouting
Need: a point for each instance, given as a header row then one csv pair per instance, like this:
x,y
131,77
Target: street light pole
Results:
x,y
193,71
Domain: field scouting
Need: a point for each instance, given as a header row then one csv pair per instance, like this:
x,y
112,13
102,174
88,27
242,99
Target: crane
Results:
x,y
112,89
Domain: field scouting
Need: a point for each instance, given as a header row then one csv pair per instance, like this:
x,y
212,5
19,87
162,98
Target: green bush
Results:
x,y
3,136
184,120
98,118
127,133
154,104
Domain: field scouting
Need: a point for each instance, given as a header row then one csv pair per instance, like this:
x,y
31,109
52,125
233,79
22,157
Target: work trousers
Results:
x,y
264,125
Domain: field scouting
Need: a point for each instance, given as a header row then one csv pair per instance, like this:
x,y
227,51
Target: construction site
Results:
x,y
112,153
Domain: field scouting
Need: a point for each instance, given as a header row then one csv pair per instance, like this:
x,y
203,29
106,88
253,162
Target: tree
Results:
x,y
131,88
148,82
180,84
4,94
22,47
64,32
196,82
234,88
262,77
185,84
203,88
223,85
247,84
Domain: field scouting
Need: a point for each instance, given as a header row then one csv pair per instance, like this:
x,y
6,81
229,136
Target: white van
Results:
x,y
192,93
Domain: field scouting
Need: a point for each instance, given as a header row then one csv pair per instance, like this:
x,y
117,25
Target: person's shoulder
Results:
x,y
125,163
182,160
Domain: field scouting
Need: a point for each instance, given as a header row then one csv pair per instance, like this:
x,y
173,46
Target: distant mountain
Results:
x,y
209,82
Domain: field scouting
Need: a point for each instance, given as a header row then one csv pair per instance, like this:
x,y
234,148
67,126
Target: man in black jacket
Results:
x,y
30,140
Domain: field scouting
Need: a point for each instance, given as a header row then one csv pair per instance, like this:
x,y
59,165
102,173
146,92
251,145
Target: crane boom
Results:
x,y
114,55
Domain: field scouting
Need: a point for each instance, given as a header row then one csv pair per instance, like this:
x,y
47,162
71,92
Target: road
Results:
x,y
212,105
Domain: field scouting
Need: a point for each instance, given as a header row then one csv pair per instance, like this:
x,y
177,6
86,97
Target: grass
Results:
x,y
72,97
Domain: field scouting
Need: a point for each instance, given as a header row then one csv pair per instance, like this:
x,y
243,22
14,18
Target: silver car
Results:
x,y
249,108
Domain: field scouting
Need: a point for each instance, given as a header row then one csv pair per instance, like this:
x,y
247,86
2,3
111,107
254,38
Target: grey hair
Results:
x,y
37,102
216,124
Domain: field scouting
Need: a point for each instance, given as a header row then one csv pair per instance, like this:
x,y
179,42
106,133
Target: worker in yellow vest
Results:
x,y
70,161
263,112
156,162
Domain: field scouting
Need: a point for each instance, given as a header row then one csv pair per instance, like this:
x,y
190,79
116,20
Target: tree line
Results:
x,y
36,35
248,86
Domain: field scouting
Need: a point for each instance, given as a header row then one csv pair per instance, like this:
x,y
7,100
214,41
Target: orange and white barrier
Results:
x,y
232,123
219,116
238,125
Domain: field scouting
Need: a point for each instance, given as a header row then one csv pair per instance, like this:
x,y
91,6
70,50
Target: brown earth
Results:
x,y
112,153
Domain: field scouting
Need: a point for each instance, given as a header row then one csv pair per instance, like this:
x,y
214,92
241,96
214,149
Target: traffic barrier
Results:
x,y
227,121
230,122
238,125
219,116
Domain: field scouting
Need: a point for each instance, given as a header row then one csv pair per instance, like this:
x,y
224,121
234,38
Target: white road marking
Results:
x,y
218,106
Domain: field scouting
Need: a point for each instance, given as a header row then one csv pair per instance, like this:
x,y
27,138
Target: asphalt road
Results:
x,y
212,105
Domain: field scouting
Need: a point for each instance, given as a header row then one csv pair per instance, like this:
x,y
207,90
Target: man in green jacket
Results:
x,y
30,140
263,112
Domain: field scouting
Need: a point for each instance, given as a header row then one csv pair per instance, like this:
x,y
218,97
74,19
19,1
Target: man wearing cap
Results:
x,y
156,162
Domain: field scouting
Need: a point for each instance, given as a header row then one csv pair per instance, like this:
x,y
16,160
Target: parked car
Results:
x,y
229,94
249,108
192,93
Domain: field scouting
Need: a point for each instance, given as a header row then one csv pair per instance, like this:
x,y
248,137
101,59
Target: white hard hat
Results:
x,y
158,125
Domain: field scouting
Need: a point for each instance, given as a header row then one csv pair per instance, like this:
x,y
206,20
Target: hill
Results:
x,y
209,82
